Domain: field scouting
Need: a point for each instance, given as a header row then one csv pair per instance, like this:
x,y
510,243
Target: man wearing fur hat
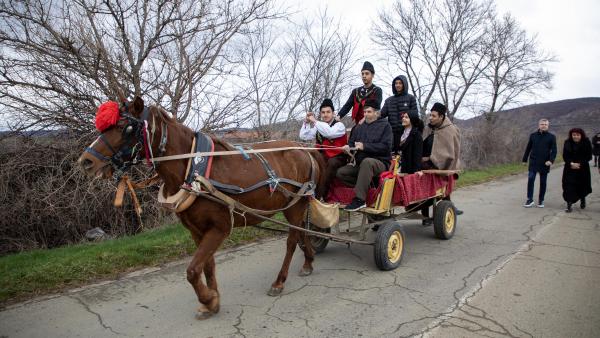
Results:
x,y
359,95
441,141
373,142
441,146
330,134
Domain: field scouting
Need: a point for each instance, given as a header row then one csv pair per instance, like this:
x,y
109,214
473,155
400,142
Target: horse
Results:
x,y
208,221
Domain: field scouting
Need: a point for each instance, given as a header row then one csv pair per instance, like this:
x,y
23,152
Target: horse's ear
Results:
x,y
138,106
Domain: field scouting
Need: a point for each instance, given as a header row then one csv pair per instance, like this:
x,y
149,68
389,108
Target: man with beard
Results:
x,y
441,147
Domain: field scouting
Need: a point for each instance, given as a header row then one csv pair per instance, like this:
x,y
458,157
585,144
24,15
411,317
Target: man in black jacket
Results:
x,y
360,95
394,106
596,149
541,152
373,142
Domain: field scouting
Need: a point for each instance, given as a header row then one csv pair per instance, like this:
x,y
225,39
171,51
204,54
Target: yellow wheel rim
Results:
x,y
395,245
449,220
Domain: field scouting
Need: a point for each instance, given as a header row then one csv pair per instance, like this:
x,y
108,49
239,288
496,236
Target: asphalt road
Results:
x,y
508,271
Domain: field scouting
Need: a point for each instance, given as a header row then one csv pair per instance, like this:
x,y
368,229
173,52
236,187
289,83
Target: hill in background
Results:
x,y
563,115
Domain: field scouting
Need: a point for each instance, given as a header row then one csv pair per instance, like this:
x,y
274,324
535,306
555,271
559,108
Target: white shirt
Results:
x,y
309,133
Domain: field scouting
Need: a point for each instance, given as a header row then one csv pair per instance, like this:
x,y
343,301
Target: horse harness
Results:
x,y
136,137
199,183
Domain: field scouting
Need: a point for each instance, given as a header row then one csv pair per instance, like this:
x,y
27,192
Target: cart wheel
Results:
x,y
319,244
389,246
444,220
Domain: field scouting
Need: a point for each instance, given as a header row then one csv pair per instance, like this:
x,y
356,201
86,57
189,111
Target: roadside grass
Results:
x,y
27,274
471,177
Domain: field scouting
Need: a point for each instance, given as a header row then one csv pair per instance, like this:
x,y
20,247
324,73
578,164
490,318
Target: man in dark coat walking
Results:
x,y
360,95
394,106
541,153
373,142
596,149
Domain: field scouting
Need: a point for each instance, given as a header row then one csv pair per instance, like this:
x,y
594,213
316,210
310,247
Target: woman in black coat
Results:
x,y
576,179
411,143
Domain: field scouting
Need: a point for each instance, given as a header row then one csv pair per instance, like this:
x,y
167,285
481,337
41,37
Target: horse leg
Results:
x,y
203,258
209,274
209,267
309,255
295,216
292,241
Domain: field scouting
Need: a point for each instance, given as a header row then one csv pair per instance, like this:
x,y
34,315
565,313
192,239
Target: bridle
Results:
x,y
135,138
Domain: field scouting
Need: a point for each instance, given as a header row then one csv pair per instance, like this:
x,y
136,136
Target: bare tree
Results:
x,y
288,71
437,44
517,65
455,50
467,61
60,59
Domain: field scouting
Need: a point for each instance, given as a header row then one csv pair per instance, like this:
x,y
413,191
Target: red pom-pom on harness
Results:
x,y
107,115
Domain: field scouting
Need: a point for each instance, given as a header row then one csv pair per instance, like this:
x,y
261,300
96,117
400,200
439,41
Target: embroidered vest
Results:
x,y
359,103
336,142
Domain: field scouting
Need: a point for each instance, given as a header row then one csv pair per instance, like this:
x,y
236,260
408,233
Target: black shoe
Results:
x,y
568,209
427,222
459,212
355,205
582,204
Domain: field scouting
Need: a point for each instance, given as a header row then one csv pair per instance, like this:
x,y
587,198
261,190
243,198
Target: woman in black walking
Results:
x,y
576,179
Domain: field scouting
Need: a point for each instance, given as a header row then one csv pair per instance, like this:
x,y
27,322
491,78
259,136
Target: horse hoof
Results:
x,y
305,272
274,291
214,305
203,313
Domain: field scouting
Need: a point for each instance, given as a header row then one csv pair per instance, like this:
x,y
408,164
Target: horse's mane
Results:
x,y
221,142
162,114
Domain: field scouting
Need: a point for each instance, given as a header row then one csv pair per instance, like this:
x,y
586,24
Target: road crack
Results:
x,y
98,316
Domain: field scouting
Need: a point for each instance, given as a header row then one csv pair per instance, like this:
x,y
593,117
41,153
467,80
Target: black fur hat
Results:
x,y
368,66
440,108
327,103
373,103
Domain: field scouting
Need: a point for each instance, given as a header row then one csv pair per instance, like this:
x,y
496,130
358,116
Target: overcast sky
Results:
x,y
569,29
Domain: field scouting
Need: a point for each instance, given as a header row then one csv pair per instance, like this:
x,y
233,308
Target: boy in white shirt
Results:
x,y
329,134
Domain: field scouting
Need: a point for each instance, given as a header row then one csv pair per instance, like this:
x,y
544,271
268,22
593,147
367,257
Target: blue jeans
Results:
x,y
530,182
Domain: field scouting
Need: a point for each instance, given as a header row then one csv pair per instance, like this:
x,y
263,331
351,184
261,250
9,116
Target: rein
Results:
x,y
234,152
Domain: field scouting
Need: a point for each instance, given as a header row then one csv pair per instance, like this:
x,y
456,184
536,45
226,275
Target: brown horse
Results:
x,y
209,222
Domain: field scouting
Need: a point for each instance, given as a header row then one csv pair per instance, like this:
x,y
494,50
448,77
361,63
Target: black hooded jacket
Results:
x,y
400,102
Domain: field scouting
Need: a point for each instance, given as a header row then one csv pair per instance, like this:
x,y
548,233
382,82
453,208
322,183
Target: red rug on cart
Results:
x,y
407,189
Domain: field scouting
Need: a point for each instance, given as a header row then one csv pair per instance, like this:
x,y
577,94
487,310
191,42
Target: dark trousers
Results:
x,y
596,162
333,164
397,138
361,176
530,183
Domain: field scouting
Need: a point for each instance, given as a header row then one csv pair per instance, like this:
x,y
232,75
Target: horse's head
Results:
x,y
121,142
